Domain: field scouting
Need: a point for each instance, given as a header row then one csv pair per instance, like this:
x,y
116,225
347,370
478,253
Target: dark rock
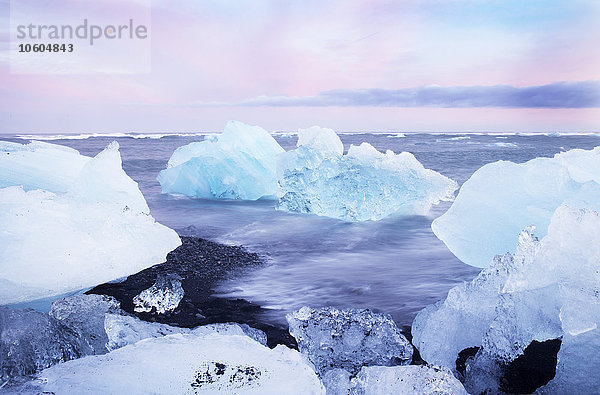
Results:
x,y
533,369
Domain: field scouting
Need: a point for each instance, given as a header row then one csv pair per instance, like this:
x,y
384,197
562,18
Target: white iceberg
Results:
x,y
364,184
502,198
548,290
181,364
238,164
69,222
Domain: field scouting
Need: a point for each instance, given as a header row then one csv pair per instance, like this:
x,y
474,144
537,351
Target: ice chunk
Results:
x,y
85,315
238,164
82,325
413,379
337,382
31,341
123,330
184,363
364,184
320,139
348,338
502,198
162,297
39,165
84,229
548,290
406,380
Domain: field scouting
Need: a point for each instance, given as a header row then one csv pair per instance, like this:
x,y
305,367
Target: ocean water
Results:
x,y
395,265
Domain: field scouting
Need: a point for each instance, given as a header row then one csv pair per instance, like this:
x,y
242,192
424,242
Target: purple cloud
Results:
x,y
583,94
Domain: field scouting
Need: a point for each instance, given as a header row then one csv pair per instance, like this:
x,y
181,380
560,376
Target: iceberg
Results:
x,y
413,379
502,198
364,184
546,293
348,339
183,363
69,222
238,164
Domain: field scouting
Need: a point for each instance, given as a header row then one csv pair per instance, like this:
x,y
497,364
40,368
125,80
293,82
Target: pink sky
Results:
x,y
206,52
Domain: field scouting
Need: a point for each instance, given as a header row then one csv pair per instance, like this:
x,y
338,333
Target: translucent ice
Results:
x,y
413,379
70,222
39,165
502,198
123,330
184,363
31,341
82,325
164,296
548,290
238,164
85,315
364,184
348,339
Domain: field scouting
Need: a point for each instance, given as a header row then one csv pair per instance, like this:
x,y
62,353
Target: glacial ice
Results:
x,y
123,330
85,315
549,289
348,338
412,379
245,162
39,165
238,164
502,198
70,222
82,325
162,297
364,184
31,341
184,363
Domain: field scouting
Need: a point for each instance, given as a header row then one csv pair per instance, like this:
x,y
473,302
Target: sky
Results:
x,y
351,65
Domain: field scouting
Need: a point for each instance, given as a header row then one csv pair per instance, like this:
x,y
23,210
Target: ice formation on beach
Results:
x,y
412,379
184,363
238,164
364,184
162,297
70,222
123,330
85,315
31,341
548,290
502,198
348,339
82,325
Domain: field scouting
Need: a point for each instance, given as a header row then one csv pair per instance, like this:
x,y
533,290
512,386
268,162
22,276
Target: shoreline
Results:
x,y
201,264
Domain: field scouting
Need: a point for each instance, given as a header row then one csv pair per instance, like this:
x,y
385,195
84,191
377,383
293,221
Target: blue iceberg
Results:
x,y
503,198
364,184
238,164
